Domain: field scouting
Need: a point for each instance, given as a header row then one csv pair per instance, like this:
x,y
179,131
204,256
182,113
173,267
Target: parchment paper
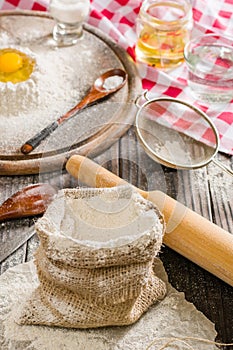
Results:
x,y
172,317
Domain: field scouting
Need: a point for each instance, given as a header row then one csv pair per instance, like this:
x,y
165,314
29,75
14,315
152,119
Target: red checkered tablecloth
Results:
x,y
117,18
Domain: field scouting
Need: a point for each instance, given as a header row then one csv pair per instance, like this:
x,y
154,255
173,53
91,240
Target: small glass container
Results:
x,y
163,29
69,16
209,59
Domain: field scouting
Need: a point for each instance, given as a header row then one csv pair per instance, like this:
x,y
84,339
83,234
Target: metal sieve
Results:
x,y
177,134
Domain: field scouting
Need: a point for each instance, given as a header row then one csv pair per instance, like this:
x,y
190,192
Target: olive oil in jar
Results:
x,y
163,29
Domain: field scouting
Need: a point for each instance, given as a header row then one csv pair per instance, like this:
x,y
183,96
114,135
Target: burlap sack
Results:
x,y
95,259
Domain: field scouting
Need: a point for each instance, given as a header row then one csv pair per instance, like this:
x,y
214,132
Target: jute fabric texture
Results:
x,y
95,259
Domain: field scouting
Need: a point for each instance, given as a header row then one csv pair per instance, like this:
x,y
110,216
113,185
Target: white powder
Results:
x,y
173,316
31,105
20,96
70,12
101,220
113,82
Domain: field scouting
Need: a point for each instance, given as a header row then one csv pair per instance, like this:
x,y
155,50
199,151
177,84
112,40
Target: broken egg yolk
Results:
x,y
15,66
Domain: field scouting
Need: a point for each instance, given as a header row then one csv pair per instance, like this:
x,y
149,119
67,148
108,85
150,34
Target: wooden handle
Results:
x,y
187,232
97,92
33,142
196,238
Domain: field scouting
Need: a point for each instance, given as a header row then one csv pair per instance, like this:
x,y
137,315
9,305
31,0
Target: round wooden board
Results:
x,y
96,127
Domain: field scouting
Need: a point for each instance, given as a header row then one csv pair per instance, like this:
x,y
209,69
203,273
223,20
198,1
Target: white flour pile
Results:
x,y
113,82
47,95
62,77
22,96
103,220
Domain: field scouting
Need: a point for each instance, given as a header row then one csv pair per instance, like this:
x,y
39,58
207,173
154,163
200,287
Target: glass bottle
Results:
x,y
69,16
163,29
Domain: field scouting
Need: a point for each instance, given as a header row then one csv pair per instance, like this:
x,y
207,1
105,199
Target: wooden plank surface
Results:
x,y
207,191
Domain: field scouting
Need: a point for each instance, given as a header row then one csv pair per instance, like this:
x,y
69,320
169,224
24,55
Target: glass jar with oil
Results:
x,y
163,29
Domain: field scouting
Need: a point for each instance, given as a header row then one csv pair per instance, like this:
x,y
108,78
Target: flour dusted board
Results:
x,y
62,77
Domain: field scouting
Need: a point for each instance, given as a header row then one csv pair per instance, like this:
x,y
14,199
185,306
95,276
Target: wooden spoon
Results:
x,y
31,200
109,82
187,232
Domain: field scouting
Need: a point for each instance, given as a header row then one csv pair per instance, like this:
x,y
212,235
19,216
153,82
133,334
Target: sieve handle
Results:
x,y
187,232
223,167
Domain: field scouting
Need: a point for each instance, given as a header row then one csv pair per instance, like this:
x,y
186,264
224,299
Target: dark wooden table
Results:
x,y
207,191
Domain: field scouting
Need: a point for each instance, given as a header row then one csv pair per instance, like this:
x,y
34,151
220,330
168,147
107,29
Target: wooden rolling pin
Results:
x,y
187,232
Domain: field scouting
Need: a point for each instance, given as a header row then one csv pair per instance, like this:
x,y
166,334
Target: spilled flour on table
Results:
x,y
172,317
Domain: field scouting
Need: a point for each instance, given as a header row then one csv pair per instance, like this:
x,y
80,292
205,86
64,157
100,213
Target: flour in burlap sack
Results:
x,y
95,259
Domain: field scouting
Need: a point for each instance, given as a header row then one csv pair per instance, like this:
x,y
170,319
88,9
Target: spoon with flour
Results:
x,y
109,82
